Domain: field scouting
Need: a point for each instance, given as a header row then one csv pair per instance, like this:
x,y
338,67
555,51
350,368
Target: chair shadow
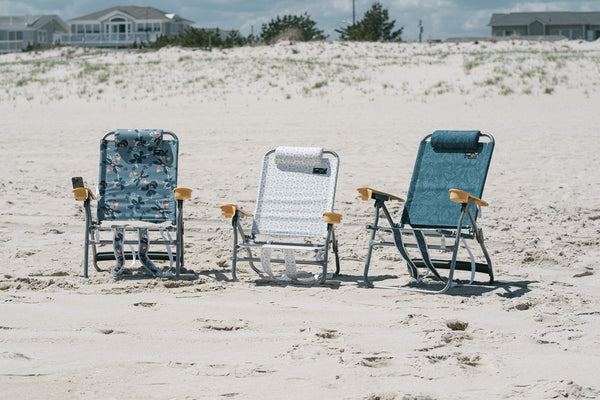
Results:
x,y
511,289
139,274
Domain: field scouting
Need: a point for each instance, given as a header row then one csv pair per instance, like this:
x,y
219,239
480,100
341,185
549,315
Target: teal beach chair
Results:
x,y
294,214
137,192
442,203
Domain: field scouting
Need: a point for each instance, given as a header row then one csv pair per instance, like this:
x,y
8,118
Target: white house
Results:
x,y
17,32
572,25
123,26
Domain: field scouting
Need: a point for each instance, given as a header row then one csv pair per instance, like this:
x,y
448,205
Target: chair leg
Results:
x,y
480,240
86,245
86,238
334,246
326,253
368,283
179,239
234,223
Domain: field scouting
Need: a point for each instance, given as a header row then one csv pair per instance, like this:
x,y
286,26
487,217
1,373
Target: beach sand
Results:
x,y
535,333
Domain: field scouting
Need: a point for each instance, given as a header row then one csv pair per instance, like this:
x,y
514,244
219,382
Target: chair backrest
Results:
x,y
446,160
138,172
297,185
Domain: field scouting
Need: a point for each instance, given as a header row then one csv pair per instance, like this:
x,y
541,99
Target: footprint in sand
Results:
x,y
221,325
375,361
328,334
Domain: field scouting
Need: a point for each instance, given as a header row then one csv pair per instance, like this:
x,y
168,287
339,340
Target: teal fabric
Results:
x,y
442,141
458,166
138,172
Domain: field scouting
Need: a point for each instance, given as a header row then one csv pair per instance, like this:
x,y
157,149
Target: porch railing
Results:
x,y
105,39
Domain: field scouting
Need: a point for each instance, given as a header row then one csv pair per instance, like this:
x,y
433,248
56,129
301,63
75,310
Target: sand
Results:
x,y
532,334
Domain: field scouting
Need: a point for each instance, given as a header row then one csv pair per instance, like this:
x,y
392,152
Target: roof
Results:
x,y
17,22
29,22
547,18
135,12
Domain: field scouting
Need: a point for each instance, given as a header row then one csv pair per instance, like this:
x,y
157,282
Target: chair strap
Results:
x,y
399,242
291,274
117,242
422,245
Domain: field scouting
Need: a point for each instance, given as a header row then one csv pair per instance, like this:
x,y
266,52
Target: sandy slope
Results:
x,y
532,335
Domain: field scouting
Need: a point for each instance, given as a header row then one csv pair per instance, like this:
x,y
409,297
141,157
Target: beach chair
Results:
x,y
293,215
441,208
137,196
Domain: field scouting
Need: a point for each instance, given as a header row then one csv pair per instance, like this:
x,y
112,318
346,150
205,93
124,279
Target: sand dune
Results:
x,y
534,334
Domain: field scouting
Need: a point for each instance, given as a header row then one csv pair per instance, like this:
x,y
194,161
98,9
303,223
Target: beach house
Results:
x,y
123,26
572,25
18,32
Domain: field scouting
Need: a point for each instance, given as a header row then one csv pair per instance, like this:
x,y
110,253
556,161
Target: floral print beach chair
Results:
x,y
137,193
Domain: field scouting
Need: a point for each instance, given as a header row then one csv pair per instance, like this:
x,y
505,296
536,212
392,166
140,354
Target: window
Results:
x,y
42,37
15,35
156,27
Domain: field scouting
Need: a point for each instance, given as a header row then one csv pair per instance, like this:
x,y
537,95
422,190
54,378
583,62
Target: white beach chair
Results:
x,y
295,203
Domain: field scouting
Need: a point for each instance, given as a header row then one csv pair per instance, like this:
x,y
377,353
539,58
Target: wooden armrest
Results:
x,y
229,210
182,193
81,194
460,196
368,193
332,218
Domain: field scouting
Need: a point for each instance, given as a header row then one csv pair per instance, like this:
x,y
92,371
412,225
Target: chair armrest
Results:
x,y
82,194
460,196
332,218
182,193
229,210
368,193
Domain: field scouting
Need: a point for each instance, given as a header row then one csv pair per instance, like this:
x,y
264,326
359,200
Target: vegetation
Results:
x,y
296,27
201,38
375,26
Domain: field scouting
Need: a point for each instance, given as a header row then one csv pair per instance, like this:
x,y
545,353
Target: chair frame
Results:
x,y
398,230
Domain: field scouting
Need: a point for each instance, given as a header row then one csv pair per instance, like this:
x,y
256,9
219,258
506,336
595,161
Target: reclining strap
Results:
x,y
412,268
118,234
422,245
143,253
290,274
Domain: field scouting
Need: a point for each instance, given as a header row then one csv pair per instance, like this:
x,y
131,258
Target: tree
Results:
x,y
302,25
373,27
194,37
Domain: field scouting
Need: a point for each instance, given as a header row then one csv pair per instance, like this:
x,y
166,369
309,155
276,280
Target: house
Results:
x,y
123,26
572,25
17,32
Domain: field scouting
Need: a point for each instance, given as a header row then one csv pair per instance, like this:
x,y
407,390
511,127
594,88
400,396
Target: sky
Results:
x,y
440,18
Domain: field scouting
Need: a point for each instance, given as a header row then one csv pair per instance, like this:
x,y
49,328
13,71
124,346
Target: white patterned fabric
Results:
x,y
297,185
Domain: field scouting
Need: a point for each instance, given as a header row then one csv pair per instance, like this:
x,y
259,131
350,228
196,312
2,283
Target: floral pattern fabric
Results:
x,y
295,189
138,172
